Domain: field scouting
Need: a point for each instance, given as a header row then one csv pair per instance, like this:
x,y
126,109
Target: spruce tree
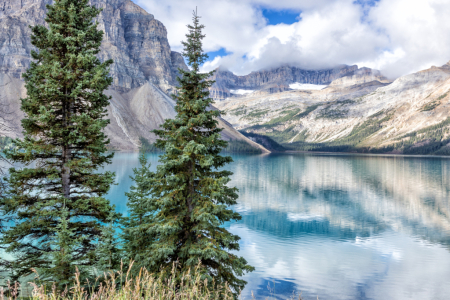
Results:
x,y
188,193
109,250
57,198
136,233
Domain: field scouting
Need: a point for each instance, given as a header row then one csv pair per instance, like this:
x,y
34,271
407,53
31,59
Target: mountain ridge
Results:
x,y
409,115
275,80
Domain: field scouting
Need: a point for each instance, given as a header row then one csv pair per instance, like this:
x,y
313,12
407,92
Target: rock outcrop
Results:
x,y
144,70
133,38
278,79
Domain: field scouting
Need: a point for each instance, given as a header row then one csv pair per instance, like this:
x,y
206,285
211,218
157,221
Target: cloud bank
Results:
x,y
395,36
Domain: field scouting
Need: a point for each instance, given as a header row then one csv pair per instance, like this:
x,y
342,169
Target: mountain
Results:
x,y
133,38
409,115
283,78
144,70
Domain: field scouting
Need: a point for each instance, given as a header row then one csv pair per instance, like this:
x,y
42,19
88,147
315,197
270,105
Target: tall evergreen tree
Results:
x,y
188,193
58,195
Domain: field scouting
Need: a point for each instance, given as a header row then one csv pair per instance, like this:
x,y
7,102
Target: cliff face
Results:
x,y
144,70
134,39
278,79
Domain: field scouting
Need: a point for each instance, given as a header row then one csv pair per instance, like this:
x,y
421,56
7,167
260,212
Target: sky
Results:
x,y
397,37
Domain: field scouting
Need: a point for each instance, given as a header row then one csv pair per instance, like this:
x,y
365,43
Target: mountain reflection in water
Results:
x,y
337,226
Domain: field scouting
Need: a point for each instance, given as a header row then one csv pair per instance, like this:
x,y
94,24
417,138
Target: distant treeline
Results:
x,y
234,146
266,141
429,140
146,146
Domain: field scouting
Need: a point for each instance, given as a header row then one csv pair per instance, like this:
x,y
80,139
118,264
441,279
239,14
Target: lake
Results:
x,y
336,226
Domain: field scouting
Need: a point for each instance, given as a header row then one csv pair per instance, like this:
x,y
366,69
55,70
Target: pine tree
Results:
x,y
136,234
59,193
189,190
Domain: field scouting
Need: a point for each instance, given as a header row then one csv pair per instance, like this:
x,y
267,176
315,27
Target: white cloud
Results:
x,y
396,36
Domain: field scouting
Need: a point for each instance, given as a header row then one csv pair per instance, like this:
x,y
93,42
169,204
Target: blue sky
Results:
x,y
273,17
213,54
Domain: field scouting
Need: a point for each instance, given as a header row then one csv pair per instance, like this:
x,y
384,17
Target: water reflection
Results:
x,y
345,227
337,226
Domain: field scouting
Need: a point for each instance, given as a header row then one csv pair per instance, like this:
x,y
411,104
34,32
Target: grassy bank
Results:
x,y
121,286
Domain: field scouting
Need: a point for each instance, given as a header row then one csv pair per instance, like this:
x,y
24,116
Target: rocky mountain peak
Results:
x,y
128,7
279,79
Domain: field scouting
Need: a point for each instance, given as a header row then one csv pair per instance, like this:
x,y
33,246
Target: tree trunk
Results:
x,y
191,187
65,170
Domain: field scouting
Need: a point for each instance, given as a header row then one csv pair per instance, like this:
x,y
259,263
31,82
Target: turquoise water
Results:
x,y
336,226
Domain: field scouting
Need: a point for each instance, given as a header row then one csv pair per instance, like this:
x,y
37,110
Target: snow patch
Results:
x,y
306,86
241,92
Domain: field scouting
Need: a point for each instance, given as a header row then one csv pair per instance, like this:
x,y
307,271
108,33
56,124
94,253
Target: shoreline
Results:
x,y
364,154
315,152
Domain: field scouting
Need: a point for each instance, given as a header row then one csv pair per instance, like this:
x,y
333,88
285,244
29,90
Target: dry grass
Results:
x,y
145,286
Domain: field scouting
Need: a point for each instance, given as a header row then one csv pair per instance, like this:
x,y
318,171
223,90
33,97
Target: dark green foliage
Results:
x,y
188,196
146,146
109,253
430,106
239,111
428,140
442,96
349,143
256,114
64,246
285,136
57,198
236,146
266,141
137,235
307,111
287,116
335,110
438,127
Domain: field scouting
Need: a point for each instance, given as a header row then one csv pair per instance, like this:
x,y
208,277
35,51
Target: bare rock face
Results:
x,y
360,76
278,79
134,39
